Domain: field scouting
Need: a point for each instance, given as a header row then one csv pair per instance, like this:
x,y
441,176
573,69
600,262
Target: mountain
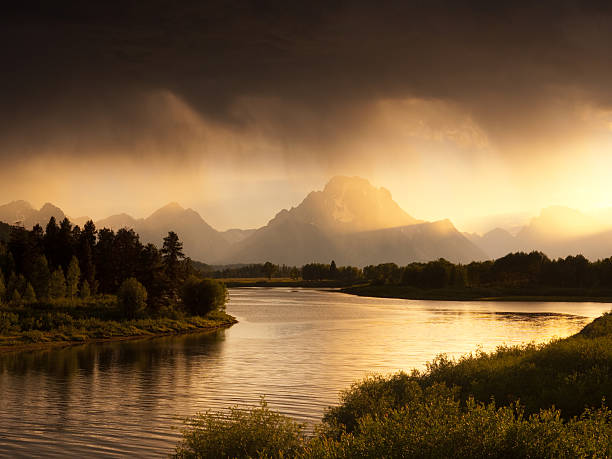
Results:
x,y
348,205
236,235
200,240
118,221
557,231
402,245
495,243
351,222
559,223
22,213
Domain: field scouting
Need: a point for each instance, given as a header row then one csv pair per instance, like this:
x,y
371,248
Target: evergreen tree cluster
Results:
x,y
68,262
512,271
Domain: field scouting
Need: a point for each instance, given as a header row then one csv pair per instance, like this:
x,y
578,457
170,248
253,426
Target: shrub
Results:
x,y
8,322
201,296
436,424
258,432
132,298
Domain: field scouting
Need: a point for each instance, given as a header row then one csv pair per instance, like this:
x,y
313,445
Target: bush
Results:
x,y
132,298
201,296
436,424
258,432
8,322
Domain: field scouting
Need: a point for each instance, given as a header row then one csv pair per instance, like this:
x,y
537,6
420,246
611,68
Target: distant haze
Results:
x,y
459,109
353,222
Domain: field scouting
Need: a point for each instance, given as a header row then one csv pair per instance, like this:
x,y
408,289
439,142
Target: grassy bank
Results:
x,y
522,401
482,294
64,322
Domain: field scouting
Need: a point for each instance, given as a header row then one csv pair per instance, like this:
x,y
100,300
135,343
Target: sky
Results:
x,y
240,108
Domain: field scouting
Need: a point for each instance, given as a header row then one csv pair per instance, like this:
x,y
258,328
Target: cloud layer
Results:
x,y
290,92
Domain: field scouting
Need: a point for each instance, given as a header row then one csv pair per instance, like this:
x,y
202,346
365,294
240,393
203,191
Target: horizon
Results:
x,y
478,224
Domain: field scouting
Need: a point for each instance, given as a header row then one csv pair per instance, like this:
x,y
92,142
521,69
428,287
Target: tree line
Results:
x,y
515,270
63,261
308,272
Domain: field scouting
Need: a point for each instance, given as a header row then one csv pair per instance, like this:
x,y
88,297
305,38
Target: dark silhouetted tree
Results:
x,y
201,296
132,298
29,296
172,254
73,275
269,269
40,277
57,284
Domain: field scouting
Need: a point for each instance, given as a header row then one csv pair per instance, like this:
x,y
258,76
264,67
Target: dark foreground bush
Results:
x,y
433,423
258,432
132,298
201,296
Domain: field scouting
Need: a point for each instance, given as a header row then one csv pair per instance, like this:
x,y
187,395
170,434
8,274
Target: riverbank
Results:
x,y
63,330
480,294
522,401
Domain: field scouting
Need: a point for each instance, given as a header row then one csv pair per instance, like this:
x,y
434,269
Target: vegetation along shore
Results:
x,y
515,277
544,401
67,285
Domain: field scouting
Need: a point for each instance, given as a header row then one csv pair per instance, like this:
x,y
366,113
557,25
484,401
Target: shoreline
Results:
x,y
24,347
407,293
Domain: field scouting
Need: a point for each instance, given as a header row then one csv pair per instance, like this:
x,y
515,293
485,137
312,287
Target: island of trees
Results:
x,y
67,283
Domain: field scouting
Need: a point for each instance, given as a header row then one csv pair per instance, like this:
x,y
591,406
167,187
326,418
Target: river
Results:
x,y
298,347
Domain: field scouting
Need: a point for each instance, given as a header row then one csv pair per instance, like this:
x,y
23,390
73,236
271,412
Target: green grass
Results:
x,y
93,319
522,401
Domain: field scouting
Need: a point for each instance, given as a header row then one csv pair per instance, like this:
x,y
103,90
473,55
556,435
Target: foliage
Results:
x,y
2,288
72,278
85,291
57,284
132,297
258,432
201,296
29,296
434,423
8,322
543,407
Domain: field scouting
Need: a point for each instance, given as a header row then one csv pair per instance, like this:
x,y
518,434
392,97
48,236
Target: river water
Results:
x,y
298,347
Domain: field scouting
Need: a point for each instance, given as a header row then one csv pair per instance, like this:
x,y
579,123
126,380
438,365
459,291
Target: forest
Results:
x,y
66,283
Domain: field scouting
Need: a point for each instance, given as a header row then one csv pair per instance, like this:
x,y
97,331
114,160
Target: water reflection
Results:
x,y
299,348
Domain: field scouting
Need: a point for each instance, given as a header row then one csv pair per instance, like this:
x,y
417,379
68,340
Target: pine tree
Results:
x,y
172,253
2,288
40,277
29,296
57,285
72,278
16,297
85,291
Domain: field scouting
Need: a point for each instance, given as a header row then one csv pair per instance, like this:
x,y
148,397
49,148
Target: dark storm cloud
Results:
x,y
72,68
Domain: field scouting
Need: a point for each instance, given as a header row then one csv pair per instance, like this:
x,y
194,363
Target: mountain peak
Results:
x,y
172,206
348,204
